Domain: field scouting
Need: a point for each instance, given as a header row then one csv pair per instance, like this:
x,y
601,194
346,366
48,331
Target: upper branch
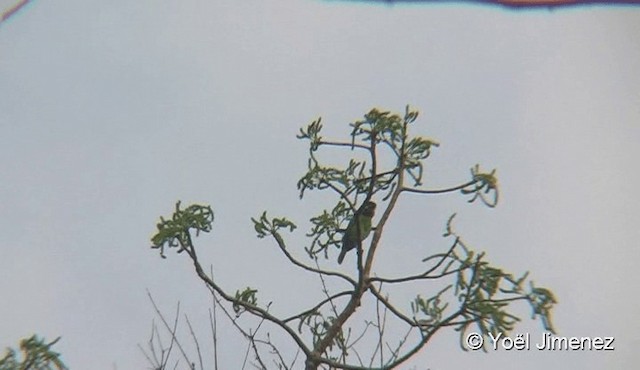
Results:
x,y
440,191
427,274
175,233
336,143
284,250
255,310
480,185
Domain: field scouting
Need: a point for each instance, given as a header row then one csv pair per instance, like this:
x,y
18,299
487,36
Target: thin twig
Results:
x,y
174,339
195,340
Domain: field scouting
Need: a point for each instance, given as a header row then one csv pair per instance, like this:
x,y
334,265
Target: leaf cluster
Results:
x,y
175,232
36,354
483,293
264,227
247,296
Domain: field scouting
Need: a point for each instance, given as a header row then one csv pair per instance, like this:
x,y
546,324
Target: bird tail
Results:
x,y
343,252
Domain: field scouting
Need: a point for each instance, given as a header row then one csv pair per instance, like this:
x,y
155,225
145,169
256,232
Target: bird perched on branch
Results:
x,y
353,235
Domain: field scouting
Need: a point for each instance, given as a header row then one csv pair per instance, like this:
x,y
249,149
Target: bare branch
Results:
x,y
440,191
195,340
171,330
293,260
350,145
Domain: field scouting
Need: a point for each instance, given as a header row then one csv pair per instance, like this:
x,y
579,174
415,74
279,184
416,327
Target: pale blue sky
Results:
x,y
110,112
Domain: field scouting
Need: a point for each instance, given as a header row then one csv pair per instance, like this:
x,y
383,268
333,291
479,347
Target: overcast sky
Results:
x,y
112,111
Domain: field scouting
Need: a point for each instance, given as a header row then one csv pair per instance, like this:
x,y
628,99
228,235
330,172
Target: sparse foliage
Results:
x,y
387,163
34,353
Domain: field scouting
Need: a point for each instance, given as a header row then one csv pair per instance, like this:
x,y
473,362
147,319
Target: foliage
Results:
x,y
176,232
35,353
472,293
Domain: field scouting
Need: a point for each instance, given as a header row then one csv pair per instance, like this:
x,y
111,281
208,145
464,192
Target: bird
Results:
x,y
352,236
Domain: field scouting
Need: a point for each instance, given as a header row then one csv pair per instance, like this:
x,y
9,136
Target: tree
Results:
x,y
36,355
465,290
